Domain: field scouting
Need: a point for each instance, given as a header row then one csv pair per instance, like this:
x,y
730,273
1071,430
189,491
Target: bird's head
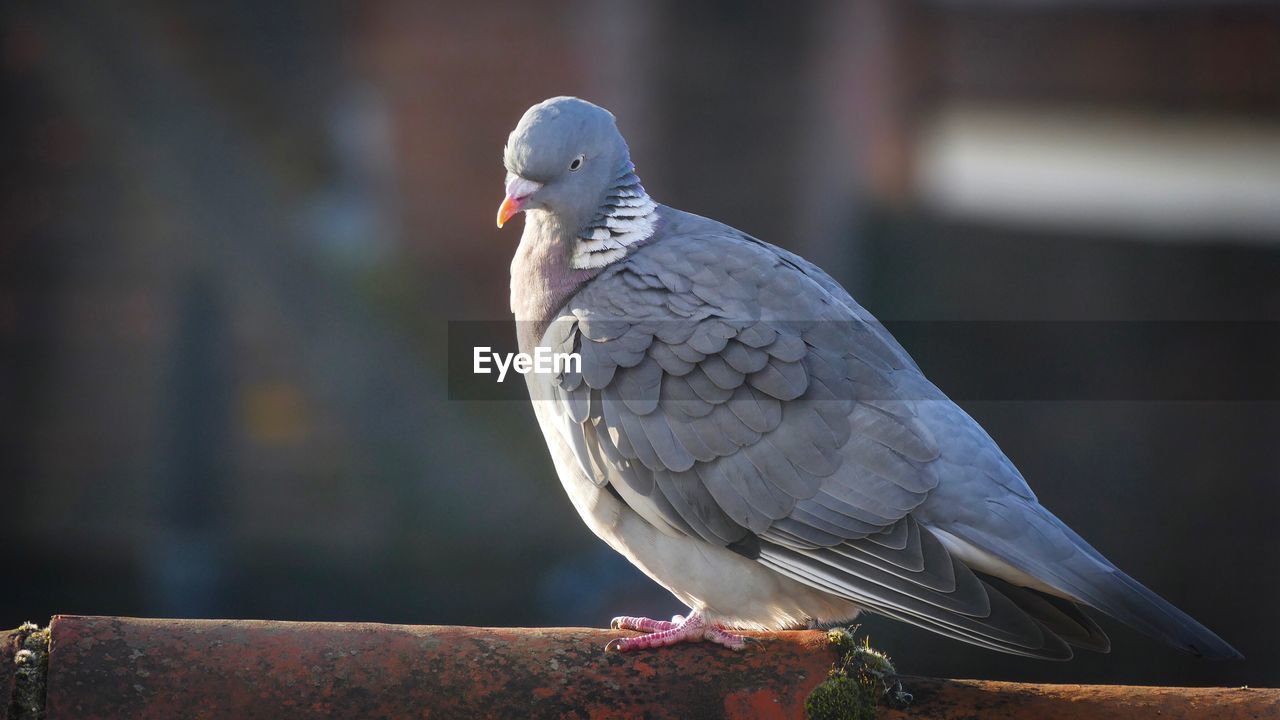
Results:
x,y
561,158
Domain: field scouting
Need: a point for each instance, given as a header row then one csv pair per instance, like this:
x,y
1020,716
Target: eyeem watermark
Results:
x,y
485,361
971,361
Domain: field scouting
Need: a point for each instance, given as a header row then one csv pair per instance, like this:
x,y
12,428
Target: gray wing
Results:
x,y
725,394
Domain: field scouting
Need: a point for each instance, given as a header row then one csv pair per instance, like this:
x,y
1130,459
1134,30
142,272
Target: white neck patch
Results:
x,y
626,217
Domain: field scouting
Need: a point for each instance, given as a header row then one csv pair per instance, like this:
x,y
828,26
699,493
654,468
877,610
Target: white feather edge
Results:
x,y
603,248
628,218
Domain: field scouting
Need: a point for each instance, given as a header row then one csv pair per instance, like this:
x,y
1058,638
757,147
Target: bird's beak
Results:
x,y
518,192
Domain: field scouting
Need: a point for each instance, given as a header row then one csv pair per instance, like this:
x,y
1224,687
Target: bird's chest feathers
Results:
x,y
542,280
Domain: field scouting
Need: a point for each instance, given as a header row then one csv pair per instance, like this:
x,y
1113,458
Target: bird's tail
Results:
x,y
1062,560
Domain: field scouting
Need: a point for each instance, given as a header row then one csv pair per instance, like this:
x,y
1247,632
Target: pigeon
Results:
x,y
753,440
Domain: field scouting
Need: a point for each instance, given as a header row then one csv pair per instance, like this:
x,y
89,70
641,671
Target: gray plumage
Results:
x,y
756,442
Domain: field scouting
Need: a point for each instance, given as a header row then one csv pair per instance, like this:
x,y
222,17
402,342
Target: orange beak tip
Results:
x,y
510,206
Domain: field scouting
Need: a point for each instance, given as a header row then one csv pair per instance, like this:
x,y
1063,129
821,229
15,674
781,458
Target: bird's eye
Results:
x,y
577,163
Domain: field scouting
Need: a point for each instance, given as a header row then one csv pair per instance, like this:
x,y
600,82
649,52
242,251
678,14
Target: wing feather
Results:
x,y
733,392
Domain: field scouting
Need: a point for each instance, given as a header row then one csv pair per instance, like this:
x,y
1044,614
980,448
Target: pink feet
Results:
x,y
694,628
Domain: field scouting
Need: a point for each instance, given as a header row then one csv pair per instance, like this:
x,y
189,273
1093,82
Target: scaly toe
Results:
x,y
645,625
720,636
659,633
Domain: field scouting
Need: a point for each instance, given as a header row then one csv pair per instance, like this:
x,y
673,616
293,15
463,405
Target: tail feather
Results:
x,y
1063,617
1056,556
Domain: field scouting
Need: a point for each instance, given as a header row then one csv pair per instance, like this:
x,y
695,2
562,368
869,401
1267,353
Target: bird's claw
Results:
x,y
659,633
644,625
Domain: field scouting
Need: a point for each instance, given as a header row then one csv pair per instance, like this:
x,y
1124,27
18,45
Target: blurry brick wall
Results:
x,y
455,78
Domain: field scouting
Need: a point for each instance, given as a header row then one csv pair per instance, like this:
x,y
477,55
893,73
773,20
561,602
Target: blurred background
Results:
x,y
234,233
